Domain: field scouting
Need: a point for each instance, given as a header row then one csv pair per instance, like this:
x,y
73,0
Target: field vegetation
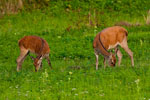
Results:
x,y
69,26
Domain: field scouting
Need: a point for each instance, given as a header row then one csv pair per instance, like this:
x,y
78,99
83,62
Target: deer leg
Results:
x,y
124,45
119,54
130,53
96,55
48,60
20,59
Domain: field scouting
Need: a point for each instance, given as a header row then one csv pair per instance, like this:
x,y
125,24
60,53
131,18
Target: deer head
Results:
x,y
37,63
112,60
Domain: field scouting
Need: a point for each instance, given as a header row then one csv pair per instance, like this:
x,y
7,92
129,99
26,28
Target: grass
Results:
x,y
73,76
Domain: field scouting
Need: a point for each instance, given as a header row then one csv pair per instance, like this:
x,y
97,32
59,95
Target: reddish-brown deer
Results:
x,y
36,45
111,38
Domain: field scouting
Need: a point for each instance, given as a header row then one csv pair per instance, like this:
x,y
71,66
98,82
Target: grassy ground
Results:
x,y
73,76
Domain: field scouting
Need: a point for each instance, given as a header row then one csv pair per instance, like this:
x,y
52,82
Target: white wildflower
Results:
x,y
73,89
137,81
17,86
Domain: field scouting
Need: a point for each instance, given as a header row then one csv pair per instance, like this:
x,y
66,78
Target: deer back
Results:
x,y
34,44
113,36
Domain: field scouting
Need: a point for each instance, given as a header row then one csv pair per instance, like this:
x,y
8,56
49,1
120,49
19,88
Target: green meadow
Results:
x,y
69,34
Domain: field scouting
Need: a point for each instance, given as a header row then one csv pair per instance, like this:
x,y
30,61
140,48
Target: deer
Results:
x,y
35,45
108,39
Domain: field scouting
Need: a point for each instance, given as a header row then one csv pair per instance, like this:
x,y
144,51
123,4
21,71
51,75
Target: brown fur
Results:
x,y
110,38
36,45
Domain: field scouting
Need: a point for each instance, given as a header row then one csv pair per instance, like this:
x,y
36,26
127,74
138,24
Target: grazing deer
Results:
x,y
110,38
36,45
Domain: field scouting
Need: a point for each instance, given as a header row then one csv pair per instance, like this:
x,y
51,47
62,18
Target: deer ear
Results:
x,y
41,57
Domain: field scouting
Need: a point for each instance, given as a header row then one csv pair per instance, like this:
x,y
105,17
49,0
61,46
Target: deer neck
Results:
x,y
42,47
103,50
